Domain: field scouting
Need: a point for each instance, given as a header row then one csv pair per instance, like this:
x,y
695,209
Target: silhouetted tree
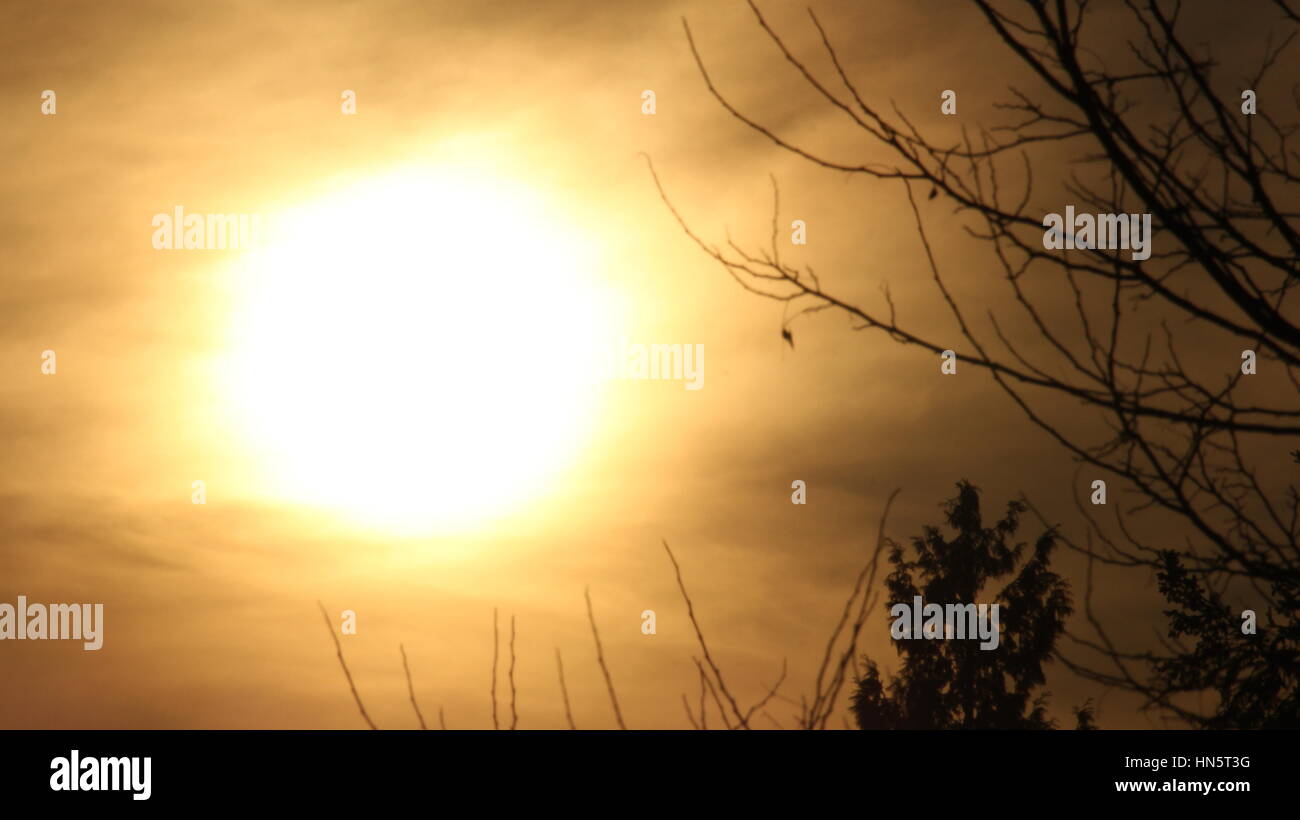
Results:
x,y
1150,348
955,684
1256,676
1085,716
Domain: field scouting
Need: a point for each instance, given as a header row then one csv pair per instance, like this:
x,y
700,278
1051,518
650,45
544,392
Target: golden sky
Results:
x,y
234,107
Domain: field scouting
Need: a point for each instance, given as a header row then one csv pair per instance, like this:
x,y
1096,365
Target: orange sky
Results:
x,y
211,618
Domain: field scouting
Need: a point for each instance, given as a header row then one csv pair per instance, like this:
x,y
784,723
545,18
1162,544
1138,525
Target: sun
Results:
x,y
418,351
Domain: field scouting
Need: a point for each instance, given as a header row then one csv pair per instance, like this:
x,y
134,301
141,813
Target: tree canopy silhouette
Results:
x,y
1255,674
955,684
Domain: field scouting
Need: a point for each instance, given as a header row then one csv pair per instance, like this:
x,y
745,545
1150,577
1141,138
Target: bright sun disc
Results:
x,y
418,351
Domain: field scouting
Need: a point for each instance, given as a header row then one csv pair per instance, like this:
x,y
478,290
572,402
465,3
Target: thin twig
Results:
x,y
690,610
600,657
689,716
722,712
770,694
824,700
564,690
704,715
496,641
339,647
514,714
410,686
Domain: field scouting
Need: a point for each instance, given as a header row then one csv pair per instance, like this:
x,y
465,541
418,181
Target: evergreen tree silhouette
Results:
x,y
954,684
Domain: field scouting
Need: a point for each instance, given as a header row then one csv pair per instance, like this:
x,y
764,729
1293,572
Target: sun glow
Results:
x,y
417,352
